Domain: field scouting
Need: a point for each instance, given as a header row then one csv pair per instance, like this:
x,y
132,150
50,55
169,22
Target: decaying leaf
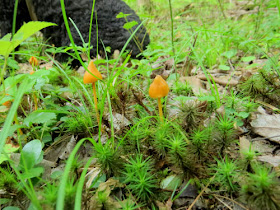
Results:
x,y
119,121
271,159
58,148
195,83
166,206
102,198
92,174
267,126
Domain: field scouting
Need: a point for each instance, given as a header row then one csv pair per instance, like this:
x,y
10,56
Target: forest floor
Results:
x,y
216,146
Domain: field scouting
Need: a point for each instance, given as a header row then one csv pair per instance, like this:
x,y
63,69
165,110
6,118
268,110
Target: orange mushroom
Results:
x,y
91,76
33,61
158,89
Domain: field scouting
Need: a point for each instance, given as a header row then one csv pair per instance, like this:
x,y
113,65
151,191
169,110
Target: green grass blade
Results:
x,y
78,199
21,90
64,178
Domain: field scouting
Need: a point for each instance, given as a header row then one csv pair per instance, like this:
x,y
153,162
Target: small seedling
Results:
x,y
177,151
8,181
190,115
248,158
50,194
226,174
139,177
261,189
160,138
225,131
108,158
200,140
70,191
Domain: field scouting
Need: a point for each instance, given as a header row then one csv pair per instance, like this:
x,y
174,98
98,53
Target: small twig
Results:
x,y
187,60
222,9
219,81
230,64
230,200
223,202
201,193
139,101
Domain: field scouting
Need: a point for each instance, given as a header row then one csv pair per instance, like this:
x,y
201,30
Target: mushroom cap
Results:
x,y
159,88
33,61
88,78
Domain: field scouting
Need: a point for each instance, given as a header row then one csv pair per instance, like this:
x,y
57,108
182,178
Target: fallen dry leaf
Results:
x,y
221,81
267,126
272,160
119,121
195,83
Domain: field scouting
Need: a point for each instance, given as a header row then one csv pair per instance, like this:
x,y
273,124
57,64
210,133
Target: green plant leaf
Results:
x,y
224,67
243,115
98,180
39,117
22,34
129,25
229,54
252,66
248,58
6,128
122,15
31,154
7,150
207,98
4,201
33,172
170,182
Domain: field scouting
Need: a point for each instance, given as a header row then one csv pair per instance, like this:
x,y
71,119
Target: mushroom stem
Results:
x,y
96,105
35,101
160,109
17,123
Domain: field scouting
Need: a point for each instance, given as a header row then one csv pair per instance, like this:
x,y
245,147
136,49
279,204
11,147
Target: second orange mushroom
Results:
x,y
92,76
158,89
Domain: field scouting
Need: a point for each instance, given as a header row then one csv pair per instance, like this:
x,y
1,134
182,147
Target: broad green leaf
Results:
x,y
31,154
229,54
7,37
170,182
248,59
129,25
4,200
243,115
56,174
22,34
12,63
224,67
122,15
11,84
33,172
7,150
254,65
39,117
6,47
98,180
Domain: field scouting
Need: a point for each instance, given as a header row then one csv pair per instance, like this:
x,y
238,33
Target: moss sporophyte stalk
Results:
x,y
158,89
